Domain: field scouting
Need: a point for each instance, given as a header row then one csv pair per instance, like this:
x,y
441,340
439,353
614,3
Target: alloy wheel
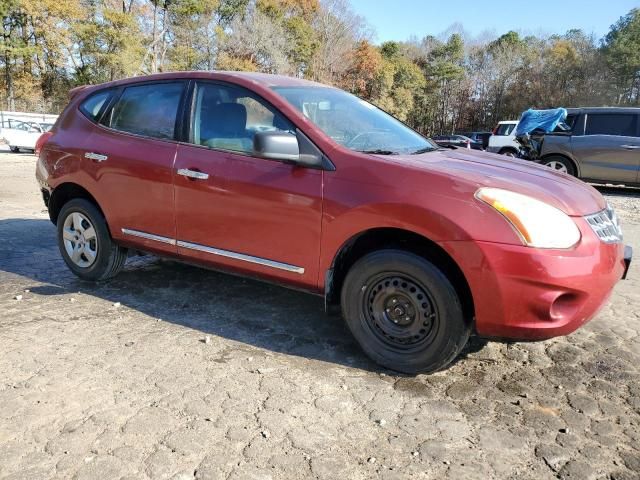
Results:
x,y
80,239
559,166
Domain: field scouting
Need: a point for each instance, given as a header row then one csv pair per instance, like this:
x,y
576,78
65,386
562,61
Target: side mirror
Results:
x,y
277,145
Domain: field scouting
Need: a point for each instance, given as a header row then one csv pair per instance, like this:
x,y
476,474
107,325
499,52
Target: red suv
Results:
x,y
308,186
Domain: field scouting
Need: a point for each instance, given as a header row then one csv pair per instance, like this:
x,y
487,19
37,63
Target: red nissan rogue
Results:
x,y
306,185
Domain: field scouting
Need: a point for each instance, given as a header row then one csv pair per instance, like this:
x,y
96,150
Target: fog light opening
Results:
x,y
564,306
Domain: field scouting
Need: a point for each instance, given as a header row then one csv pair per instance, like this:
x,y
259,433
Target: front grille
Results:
x,y
606,226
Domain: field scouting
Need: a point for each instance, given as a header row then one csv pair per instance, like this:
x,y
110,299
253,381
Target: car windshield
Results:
x,y
355,123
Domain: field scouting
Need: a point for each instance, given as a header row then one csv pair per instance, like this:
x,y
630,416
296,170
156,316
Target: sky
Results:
x,y
400,19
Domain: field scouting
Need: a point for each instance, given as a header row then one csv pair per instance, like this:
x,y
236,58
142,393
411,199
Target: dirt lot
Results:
x,y
169,371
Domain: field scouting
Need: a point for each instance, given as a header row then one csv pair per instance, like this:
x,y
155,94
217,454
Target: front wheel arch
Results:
x,y
374,239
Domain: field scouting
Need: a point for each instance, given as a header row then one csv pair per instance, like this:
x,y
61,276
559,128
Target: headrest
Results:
x,y
223,120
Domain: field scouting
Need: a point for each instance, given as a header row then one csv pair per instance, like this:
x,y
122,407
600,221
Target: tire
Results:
x,y
509,152
428,330
90,253
14,149
560,164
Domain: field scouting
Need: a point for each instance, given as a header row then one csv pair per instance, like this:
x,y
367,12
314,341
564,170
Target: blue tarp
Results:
x,y
546,120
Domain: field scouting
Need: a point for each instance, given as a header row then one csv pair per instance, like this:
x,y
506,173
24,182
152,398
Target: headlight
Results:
x,y
538,224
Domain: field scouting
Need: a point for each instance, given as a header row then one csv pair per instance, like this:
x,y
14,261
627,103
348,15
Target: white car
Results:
x,y
503,139
23,135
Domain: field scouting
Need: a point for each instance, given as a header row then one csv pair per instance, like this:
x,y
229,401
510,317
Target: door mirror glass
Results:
x,y
276,145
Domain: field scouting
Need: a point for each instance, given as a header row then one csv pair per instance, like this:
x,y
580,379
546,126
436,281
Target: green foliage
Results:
x,y
622,48
437,85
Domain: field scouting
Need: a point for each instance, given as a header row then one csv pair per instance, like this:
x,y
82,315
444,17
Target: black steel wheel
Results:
x,y
404,312
400,311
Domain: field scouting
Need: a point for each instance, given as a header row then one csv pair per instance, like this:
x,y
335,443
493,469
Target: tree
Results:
x,y
622,50
438,84
338,31
256,43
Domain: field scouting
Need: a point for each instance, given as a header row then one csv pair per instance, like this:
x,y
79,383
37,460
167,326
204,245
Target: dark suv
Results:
x,y
602,146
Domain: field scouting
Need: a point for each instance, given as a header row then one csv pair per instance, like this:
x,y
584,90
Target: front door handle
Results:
x,y
194,174
631,147
96,157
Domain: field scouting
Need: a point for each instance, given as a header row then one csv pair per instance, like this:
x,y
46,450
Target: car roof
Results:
x,y
574,111
265,79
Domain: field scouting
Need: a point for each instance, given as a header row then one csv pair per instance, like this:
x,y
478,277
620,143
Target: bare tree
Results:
x,y
261,41
338,30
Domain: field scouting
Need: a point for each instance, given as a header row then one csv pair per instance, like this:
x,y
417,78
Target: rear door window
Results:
x,y
620,124
149,110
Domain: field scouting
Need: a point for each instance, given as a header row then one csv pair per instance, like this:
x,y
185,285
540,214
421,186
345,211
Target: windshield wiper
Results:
x,y
424,150
379,152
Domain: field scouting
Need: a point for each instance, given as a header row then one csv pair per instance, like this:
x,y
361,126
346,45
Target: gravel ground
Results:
x,y
169,371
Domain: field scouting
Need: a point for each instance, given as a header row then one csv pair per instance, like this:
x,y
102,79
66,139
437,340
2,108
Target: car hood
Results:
x,y
567,193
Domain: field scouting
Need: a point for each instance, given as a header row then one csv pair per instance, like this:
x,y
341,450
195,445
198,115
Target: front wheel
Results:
x,y
85,243
560,164
404,312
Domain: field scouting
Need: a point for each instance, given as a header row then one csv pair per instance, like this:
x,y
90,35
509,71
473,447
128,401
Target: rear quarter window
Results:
x,y
619,124
92,106
505,129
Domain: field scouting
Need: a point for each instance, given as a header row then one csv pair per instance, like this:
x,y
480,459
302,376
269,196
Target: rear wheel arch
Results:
x,y
65,192
375,239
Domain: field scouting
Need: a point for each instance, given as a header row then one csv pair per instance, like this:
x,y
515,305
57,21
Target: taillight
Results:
x,y
42,139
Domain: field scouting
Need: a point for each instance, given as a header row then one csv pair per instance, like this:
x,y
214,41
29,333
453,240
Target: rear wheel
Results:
x,y
560,164
85,243
509,152
15,149
404,312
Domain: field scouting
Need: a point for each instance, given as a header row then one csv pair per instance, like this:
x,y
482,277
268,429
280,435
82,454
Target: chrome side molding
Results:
x,y
148,236
242,257
215,251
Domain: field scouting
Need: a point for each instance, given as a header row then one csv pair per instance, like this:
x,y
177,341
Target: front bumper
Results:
x,y
523,293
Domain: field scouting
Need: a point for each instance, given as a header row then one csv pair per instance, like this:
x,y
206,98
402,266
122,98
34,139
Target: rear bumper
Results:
x,y
525,294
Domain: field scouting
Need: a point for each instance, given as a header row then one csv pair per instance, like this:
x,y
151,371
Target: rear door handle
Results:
x,y
196,175
631,147
96,157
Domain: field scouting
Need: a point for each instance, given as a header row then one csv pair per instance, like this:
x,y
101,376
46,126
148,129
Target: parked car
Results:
x,y
603,145
22,135
481,138
459,141
308,186
503,139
